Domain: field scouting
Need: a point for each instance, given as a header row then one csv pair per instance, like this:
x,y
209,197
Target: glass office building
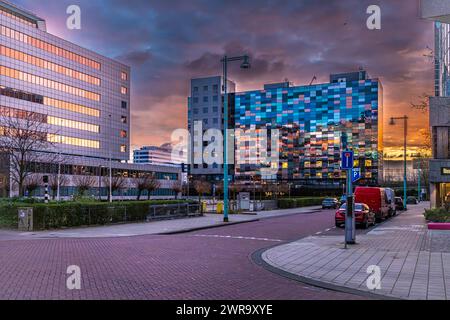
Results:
x,y
315,123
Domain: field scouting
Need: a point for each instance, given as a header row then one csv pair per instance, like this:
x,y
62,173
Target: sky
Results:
x,y
168,42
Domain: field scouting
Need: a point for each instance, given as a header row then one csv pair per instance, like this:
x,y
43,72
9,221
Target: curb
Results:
x,y
256,257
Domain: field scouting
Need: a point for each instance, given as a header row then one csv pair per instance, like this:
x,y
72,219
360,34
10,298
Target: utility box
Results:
x,y
244,200
25,219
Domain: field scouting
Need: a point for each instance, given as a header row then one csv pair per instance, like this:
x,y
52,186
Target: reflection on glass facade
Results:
x,y
312,122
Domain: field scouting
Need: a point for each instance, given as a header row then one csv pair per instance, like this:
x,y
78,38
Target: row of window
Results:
x,y
206,110
34,116
16,17
206,99
73,124
27,77
41,63
87,143
37,98
69,169
19,36
215,88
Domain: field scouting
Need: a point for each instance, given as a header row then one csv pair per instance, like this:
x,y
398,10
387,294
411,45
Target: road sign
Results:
x,y
347,160
356,174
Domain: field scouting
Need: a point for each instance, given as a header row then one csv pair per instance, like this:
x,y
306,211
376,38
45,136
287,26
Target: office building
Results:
x,y
82,97
161,155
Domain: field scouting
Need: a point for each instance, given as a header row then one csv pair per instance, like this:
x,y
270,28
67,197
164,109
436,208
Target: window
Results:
x,y
123,90
123,134
215,88
205,88
195,100
195,89
124,76
215,98
205,110
195,111
205,121
215,121
124,104
123,119
215,109
205,99
123,148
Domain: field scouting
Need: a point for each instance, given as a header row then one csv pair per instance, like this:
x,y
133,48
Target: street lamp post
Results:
x,y
405,133
244,65
110,163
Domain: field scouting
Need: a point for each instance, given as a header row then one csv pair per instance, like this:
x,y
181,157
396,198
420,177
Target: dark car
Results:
x,y
411,200
330,203
363,215
399,203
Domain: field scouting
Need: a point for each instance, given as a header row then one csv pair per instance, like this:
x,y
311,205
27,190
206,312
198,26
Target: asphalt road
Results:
x,y
206,264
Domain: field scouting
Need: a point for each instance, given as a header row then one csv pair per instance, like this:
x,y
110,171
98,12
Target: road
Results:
x,y
206,264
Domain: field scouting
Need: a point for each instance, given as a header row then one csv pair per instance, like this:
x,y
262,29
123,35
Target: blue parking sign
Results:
x,y
347,160
356,174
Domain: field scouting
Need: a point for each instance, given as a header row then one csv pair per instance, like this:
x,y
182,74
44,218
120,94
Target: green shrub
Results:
x,y
71,214
299,202
437,215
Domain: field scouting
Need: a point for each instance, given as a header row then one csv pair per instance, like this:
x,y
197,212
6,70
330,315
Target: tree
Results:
x,y
53,183
151,184
83,183
117,183
31,184
23,137
201,187
177,187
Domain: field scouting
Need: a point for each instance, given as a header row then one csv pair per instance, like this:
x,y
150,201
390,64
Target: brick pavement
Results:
x,y
414,261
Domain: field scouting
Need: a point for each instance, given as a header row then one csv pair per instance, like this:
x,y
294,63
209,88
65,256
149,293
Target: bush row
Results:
x,y
299,202
437,215
72,214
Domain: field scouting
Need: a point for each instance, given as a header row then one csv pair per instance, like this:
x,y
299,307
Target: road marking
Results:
x,y
326,230
319,232
236,237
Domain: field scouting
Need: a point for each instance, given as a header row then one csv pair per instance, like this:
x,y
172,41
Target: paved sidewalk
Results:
x,y
414,261
154,227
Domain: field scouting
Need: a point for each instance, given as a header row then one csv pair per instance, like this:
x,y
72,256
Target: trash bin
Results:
x,y
219,207
203,206
25,216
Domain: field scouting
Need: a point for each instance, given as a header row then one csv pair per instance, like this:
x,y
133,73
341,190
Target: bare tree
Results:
x,y
140,184
151,184
23,135
177,187
54,181
117,182
202,187
83,183
32,183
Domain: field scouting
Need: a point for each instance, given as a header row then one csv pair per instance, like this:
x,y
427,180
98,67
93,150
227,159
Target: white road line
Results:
x,y
236,237
326,230
319,232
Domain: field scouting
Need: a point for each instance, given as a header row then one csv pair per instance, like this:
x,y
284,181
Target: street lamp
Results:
x,y
405,132
110,163
244,65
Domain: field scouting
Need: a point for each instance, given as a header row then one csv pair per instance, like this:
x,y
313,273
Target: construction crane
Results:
x,y
313,79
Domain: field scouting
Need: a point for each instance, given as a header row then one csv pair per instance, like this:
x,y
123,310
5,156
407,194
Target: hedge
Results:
x,y
72,214
437,215
299,202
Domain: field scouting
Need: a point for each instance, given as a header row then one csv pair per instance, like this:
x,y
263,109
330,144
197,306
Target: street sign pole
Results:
x,y
347,164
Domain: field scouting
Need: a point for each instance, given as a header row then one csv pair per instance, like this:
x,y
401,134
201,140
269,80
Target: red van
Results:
x,y
376,199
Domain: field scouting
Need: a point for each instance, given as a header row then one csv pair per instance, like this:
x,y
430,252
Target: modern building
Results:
x,y
314,122
439,12
161,155
205,111
82,96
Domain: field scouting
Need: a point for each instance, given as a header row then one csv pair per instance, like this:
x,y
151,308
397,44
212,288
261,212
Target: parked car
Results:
x,y
376,199
390,195
330,203
411,200
343,199
399,203
363,215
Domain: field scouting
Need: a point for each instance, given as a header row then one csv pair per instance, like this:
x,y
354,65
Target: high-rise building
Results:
x,y
81,96
205,111
315,122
